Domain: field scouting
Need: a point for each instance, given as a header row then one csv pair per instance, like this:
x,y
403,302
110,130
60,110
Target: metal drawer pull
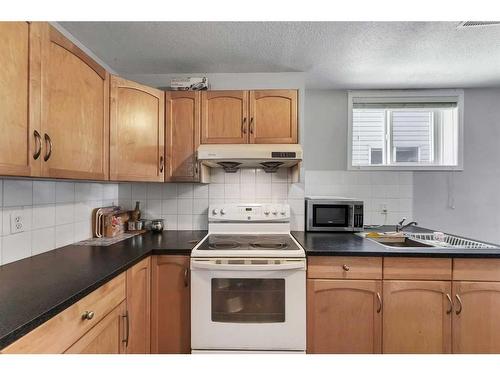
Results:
x,y
451,304
186,277
346,267
251,125
459,304
38,142
243,125
49,149
379,298
162,163
88,315
127,330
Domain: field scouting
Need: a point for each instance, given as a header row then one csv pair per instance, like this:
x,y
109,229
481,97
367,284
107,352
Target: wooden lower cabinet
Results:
x,y
107,337
139,308
171,324
417,317
476,323
344,316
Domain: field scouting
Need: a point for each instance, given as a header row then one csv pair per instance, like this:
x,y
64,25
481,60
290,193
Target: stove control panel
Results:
x,y
249,212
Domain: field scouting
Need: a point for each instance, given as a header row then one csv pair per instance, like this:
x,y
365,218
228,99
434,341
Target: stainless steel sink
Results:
x,y
407,242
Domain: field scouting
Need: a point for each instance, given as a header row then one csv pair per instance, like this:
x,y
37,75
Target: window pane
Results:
x,y
368,131
407,154
412,136
377,156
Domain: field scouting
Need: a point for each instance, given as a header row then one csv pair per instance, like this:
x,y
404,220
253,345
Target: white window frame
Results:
x,y
401,95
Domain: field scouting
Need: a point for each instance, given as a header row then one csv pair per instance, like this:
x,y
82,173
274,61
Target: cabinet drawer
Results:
x,y
417,269
332,267
476,269
59,333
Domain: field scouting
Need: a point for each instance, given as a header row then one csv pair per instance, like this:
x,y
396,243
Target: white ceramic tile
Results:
x,y
217,176
216,191
43,240
215,201
97,191
82,230
297,222
83,191
263,191
247,193
65,213
1,198
170,222
232,178
406,178
44,192
406,191
15,247
184,206
65,192
232,191
405,205
169,191
44,216
364,178
82,211
154,191
169,207
200,206
152,208
125,191
185,222
139,191
279,191
1,256
126,204
296,191
280,176
64,235
17,193
185,191
296,206
110,191
262,177
247,176
200,222
200,190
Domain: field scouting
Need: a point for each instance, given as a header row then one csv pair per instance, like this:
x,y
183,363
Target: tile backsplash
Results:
x,y
184,206
378,189
56,213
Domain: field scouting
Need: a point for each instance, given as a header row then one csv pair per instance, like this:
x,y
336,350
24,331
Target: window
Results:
x,y
405,129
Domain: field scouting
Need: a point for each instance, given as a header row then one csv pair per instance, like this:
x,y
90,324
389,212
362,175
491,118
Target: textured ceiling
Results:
x,y
332,54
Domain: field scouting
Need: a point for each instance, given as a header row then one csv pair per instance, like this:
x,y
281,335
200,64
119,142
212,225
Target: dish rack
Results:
x,y
450,241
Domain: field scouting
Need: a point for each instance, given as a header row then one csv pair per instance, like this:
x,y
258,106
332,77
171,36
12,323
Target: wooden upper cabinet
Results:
x,y
476,326
74,110
273,116
344,316
20,142
417,317
137,151
170,318
224,117
182,135
139,307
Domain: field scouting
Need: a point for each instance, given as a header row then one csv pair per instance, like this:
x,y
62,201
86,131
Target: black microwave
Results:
x,y
325,214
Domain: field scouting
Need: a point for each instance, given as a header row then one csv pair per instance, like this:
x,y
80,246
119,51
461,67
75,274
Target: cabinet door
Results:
x,y
273,116
344,316
171,324
183,135
476,323
106,337
137,121
74,111
139,307
20,104
417,317
224,117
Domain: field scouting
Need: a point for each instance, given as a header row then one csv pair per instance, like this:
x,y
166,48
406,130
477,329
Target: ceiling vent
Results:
x,y
467,24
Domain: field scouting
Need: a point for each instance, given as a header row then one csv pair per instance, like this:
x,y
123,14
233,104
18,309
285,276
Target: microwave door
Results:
x,y
330,217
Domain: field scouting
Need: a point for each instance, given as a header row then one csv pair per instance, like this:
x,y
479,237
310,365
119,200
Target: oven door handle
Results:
x,y
247,267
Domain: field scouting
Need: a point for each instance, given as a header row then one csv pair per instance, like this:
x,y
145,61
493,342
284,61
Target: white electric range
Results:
x,y
248,282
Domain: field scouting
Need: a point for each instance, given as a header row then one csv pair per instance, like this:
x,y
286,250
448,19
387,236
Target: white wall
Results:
x,y
474,192
56,213
325,150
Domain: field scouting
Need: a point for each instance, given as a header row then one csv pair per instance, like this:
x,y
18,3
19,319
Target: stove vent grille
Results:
x,y
467,24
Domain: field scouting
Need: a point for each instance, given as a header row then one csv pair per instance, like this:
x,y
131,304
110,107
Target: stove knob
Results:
x,y
275,212
215,211
266,212
249,217
222,211
283,213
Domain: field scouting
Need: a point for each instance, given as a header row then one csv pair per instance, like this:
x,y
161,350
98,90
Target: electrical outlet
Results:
x,y
383,209
16,222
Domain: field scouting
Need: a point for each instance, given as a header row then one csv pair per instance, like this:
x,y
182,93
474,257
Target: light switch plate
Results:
x,y
17,222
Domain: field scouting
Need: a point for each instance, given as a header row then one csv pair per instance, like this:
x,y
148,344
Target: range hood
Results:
x,y
231,157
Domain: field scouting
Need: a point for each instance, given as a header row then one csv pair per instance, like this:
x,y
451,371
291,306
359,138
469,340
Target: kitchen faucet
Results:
x,y
400,226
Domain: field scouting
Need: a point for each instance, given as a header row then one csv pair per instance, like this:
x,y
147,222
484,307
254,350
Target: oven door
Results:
x,y
329,216
251,304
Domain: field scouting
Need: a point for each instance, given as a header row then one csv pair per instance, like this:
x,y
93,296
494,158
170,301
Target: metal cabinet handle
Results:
x,y
186,277
243,126
38,143
196,168
450,309
459,304
346,267
127,328
88,315
251,125
162,164
379,298
48,142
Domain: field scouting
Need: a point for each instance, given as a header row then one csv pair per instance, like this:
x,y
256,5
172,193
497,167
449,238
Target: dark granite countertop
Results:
x,y
35,289
350,244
